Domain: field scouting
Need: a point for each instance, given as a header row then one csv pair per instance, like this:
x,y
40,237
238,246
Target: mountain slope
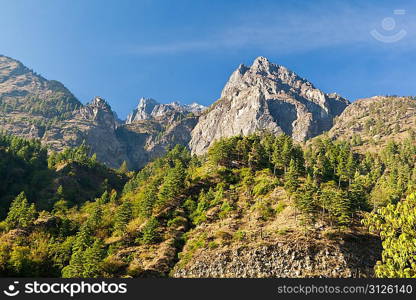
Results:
x,y
24,91
269,97
34,107
372,122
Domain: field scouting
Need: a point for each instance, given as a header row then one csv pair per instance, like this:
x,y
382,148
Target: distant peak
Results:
x,y
261,59
100,102
262,65
98,99
143,101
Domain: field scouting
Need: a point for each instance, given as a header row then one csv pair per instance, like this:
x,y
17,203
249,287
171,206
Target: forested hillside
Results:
x,y
67,215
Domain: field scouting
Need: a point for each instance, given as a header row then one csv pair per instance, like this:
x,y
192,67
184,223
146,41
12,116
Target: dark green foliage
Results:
x,y
122,217
291,178
149,232
88,217
21,214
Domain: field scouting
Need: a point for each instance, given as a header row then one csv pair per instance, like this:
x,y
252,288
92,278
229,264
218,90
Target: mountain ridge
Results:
x,y
269,97
261,97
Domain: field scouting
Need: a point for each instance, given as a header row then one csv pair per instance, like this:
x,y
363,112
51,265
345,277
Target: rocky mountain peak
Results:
x,y
99,104
266,96
150,109
99,111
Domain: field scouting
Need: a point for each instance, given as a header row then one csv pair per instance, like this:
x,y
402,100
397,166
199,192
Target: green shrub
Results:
x,y
280,207
239,235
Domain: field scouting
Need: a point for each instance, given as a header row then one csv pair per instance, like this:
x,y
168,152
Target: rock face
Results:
x,y
154,127
288,259
269,97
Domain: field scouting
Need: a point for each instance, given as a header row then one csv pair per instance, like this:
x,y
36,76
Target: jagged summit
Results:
x,y
266,96
150,109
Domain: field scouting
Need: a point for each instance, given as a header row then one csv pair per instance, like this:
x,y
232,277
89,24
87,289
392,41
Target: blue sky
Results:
x,y
186,50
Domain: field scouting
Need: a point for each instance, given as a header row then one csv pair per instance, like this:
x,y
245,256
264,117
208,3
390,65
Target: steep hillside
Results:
x,y
373,122
269,97
71,174
254,206
25,92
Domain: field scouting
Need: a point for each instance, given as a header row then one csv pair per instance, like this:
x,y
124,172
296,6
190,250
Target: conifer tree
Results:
x,y
305,200
123,169
173,183
92,260
291,178
21,213
75,267
122,217
150,234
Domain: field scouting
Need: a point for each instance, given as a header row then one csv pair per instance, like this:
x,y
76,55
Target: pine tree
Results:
x,y
92,260
150,234
277,158
94,220
75,267
350,167
83,238
327,195
123,169
21,213
286,153
322,169
256,157
342,208
122,218
291,178
357,193
103,199
173,183
113,197
148,201
305,200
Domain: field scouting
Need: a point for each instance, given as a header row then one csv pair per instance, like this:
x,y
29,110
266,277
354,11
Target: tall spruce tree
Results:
x,y
21,213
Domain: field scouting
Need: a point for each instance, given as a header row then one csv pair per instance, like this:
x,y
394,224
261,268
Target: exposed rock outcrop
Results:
x,y
289,258
269,97
150,109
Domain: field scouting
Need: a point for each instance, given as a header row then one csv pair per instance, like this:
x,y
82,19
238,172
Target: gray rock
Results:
x,y
268,97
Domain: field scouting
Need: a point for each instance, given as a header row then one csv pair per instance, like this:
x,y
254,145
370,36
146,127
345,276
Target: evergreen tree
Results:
x,y
83,238
256,157
305,200
357,193
21,213
342,208
150,234
148,201
123,168
94,220
173,183
291,178
122,217
75,267
92,260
